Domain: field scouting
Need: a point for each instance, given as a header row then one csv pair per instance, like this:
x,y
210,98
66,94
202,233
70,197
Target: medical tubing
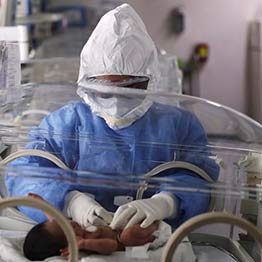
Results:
x,y
177,164
56,214
206,219
35,152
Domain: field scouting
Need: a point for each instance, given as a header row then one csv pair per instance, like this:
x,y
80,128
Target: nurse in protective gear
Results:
x,y
119,52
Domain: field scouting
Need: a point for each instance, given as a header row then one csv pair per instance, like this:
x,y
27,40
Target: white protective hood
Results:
x,y
119,45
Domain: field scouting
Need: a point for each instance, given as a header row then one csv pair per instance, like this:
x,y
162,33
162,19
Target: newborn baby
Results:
x,y
47,239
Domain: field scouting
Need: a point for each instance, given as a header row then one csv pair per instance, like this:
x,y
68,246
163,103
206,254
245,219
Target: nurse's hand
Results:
x,y
144,211
85,210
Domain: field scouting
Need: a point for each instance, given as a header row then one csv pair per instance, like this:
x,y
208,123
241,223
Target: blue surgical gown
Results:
x,y
83,141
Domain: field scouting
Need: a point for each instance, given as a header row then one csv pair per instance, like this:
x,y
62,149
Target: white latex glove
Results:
x,y
85,210
147,211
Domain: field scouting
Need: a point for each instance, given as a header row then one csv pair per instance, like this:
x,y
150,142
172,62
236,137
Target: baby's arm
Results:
x,y
102,246
105,241
132,236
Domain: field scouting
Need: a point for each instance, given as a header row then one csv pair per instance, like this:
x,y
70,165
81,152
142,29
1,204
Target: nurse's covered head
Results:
x,y
119,53
120,45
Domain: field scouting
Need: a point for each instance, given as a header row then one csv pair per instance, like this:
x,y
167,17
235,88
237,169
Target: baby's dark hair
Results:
x,y
40,243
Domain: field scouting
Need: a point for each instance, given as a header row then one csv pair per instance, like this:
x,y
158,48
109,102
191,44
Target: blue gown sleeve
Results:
x,y
57,134
192,140
49,136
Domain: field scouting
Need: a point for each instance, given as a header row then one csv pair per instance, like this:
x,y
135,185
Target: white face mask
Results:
x,y
118,111
117,107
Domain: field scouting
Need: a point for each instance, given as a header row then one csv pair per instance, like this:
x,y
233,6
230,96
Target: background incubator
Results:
x,y
234,143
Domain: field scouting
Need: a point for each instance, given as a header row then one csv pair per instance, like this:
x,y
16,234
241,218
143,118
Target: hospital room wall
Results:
x,y
223,25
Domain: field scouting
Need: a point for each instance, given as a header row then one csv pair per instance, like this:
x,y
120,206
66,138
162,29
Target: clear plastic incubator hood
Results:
x,y
207,157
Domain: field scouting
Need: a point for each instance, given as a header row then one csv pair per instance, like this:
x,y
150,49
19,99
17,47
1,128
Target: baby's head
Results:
x,y
44,240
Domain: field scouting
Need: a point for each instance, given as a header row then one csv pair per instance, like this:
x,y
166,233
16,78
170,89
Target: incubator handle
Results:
x,y
34,152
47,208
205,219
177,164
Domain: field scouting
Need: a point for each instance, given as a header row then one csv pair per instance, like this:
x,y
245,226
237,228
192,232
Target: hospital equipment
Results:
x,y
7,12
17,34
11,32
10,70
58,69
30,27
41,24
233,137
76,15
254,68
171,75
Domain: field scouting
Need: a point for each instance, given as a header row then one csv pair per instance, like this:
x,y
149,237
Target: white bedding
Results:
x,y
11,251
11,243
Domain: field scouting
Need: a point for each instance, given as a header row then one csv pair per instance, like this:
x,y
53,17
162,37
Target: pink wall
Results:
x,y
221,23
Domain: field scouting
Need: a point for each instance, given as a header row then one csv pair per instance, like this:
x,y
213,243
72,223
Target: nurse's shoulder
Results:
x,y
66,117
